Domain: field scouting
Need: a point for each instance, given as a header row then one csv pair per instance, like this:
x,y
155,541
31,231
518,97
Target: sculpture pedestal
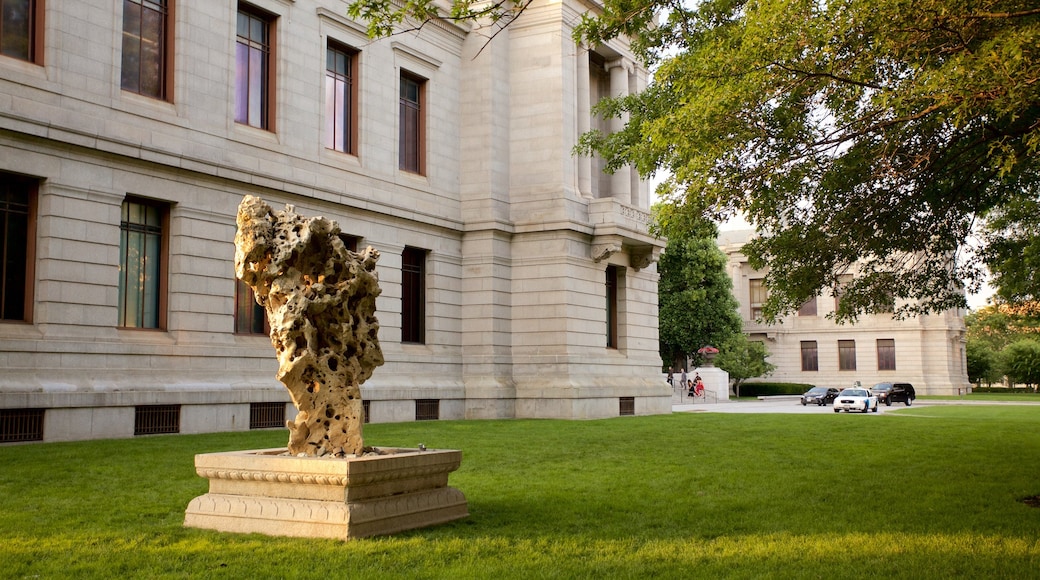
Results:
x,y
267,492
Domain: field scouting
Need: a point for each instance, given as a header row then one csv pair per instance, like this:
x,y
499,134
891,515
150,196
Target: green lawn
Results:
x,y
922,492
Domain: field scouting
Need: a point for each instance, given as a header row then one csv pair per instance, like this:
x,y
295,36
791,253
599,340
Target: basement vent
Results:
x,y
157,419
266,415
627,406
427,409
20,425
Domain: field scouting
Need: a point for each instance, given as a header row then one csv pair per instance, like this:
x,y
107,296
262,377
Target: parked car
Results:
x,y
889,393
856,399
820,396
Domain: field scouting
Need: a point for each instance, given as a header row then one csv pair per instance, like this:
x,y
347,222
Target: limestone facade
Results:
x,y
926,351
537,288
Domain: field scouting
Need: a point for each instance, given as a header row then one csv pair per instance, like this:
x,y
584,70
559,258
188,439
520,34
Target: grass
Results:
x,y
923,492
1010,397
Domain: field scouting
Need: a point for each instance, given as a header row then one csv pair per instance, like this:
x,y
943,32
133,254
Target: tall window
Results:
x,y
253,68
843,281
142,267
145,50
612,307
886,354
21,29
411,137
808,308
757,297
250,317
846,355
810,356
341,98
17,234
413,295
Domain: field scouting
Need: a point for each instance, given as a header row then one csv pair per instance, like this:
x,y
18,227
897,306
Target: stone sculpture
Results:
x,y
320,299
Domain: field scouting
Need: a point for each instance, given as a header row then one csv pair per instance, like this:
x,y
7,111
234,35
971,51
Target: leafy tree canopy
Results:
x,y
858,136
696,305
999,325
983,363
743,359
1021,362
872,137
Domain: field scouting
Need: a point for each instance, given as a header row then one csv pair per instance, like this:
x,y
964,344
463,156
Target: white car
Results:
x,y
856,399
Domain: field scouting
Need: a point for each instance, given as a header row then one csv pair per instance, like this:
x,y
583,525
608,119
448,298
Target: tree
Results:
x,y
983,363
743,359
999,325
990,331
864,137
696,306
1021,362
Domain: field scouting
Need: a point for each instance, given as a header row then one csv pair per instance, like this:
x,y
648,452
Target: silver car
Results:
x,y
856,399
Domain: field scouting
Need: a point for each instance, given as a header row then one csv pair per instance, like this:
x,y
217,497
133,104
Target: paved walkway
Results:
x,y
792,404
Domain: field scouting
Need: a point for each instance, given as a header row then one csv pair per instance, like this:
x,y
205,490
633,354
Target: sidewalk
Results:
x,y
790,404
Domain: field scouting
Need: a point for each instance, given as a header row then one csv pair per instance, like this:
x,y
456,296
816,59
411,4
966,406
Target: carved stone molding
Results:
x,y
601,252
643,257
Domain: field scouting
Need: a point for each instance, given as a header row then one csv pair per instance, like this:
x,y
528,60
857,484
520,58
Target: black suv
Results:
x,y
888,393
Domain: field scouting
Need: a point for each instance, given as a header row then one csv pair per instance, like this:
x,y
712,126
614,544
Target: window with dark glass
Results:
x,y
846,355
886,354
340,98
21,30
757,296
142,265
413,295
17,234
411,124
250,317
612,307
350,242
810,356
843,281
145,38
253,68
808,308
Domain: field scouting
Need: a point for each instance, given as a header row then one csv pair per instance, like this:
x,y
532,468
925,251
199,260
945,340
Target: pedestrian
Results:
x,y
682,378
671,379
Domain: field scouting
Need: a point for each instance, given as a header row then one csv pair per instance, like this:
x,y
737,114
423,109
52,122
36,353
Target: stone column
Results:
x,y
584,107
640,186
621,180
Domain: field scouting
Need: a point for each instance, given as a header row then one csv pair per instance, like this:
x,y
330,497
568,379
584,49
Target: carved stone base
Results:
x,y
267,492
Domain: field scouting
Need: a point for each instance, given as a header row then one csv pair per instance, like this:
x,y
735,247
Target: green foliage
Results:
x,y
743,359
1021,362
997,326
991,329
387,17
859,136
696,306
761,389
576,499
983,363
1004,393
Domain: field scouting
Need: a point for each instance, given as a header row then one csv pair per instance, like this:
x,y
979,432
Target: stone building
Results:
x,y
518,280
808,347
